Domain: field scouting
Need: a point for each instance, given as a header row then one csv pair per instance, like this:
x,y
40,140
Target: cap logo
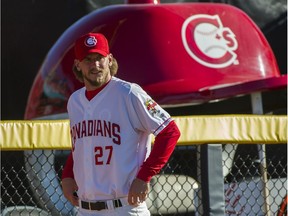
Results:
x,y
208,42
90,41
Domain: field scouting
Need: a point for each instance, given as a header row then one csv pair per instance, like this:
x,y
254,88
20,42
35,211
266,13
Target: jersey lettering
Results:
x,y
116,134
102,128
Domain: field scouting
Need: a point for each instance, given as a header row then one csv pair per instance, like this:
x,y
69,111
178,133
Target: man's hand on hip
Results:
x,y
69,187
138,192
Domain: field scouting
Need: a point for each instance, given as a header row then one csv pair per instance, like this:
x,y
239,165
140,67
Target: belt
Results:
x,y
100,205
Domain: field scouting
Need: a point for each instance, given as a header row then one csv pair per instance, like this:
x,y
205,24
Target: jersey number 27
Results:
x,y
103,154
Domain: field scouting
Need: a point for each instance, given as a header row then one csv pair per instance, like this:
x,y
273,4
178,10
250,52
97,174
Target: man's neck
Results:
x,y
92,93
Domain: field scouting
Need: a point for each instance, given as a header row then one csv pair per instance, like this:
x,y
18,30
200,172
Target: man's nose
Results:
x,y
95,63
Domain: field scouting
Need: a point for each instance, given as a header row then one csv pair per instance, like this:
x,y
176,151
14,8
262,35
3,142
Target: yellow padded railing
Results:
x,y
55,134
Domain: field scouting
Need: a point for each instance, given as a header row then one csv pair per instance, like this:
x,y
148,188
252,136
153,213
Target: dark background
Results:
x,y
29,28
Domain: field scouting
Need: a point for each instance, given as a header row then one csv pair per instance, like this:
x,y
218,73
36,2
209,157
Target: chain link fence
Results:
x,y
30,182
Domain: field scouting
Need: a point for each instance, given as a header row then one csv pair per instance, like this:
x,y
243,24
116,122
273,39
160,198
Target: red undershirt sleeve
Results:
x,y
163,147
68,168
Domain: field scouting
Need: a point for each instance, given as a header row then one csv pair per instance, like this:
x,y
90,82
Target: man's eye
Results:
x,y
88,60
92,60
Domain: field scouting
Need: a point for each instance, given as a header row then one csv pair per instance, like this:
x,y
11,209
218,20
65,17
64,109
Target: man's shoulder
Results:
x,y
125,85
121,84
77,92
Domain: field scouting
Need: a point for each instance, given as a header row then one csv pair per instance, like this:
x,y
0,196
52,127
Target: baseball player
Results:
x,y
111,162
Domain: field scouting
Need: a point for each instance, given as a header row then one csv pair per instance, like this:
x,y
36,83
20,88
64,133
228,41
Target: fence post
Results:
x,y
257,108
211,181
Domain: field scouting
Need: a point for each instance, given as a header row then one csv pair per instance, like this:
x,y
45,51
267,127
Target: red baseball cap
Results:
x,y
91,43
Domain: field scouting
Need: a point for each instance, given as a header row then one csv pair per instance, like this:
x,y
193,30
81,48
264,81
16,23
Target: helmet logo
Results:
x,y
90,41
208,42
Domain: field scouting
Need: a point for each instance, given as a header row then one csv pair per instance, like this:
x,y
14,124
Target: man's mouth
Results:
x,y
96,72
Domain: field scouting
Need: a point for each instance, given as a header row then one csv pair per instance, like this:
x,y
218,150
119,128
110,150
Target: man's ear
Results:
x,y
76,64
110,59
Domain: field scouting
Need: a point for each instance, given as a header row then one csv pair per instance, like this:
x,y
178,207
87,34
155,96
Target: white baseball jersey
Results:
x,y
110,137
